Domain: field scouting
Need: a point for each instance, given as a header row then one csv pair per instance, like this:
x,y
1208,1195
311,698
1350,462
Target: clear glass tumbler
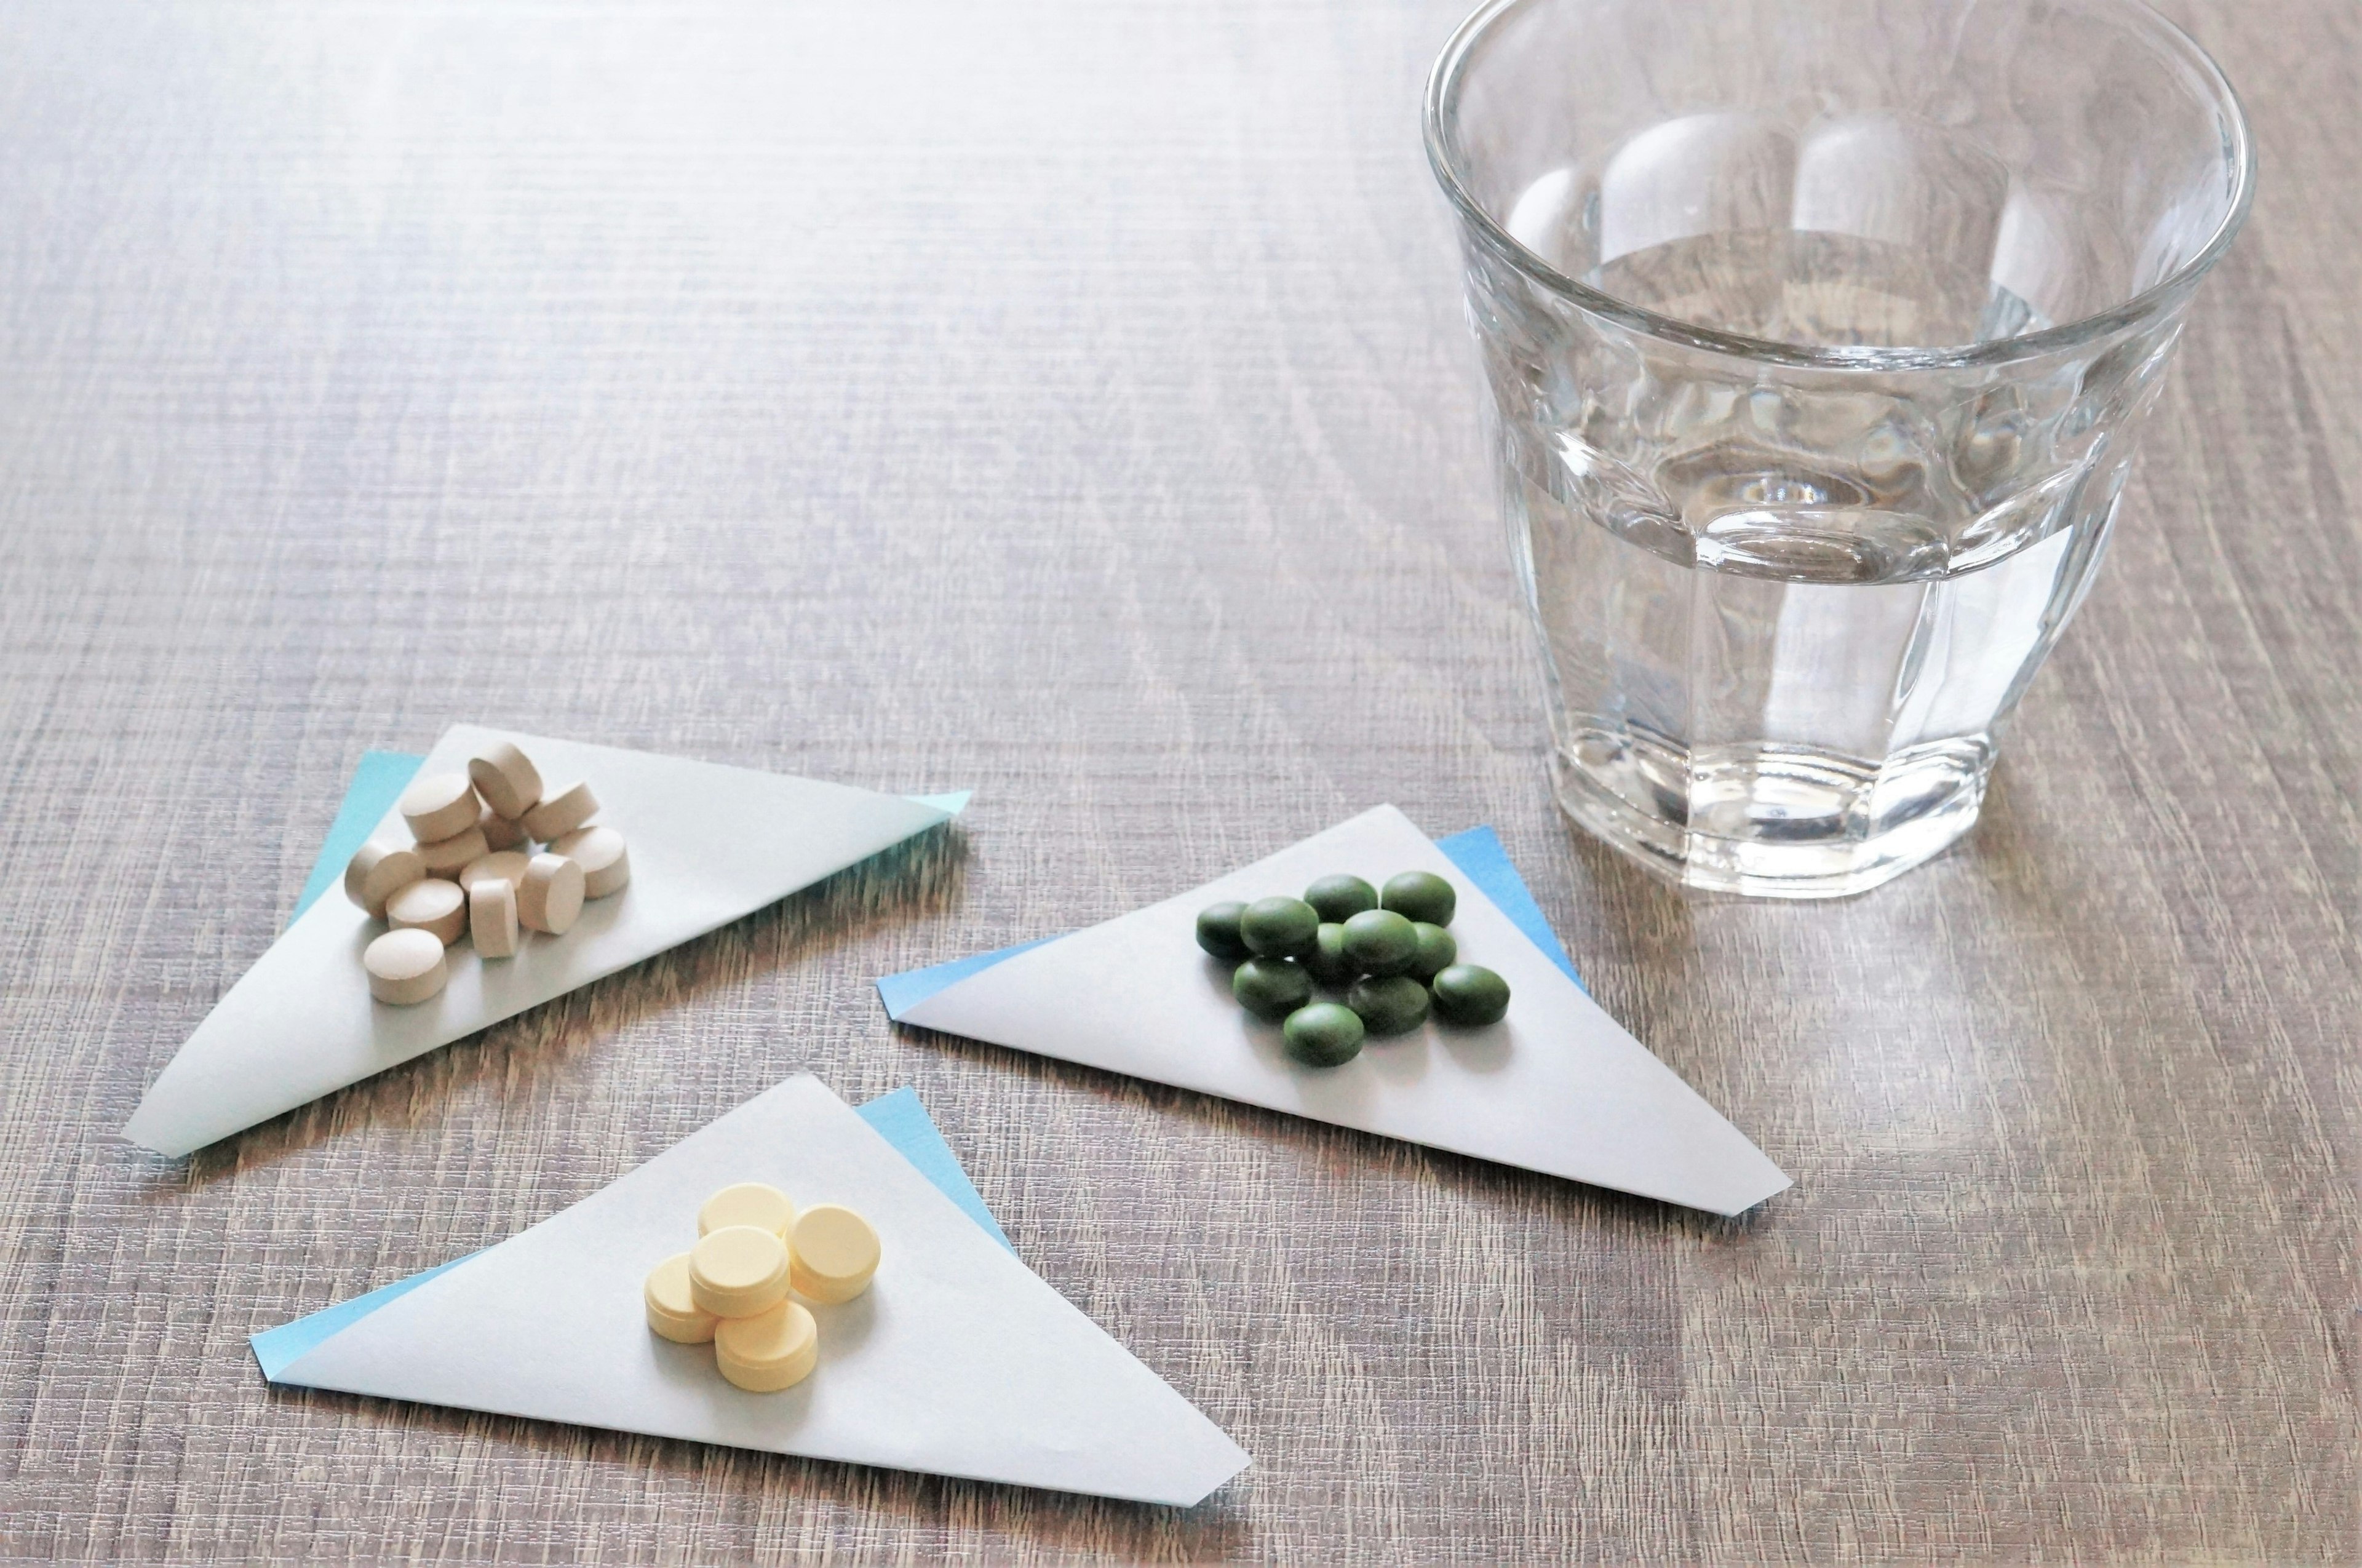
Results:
x,y
1818,331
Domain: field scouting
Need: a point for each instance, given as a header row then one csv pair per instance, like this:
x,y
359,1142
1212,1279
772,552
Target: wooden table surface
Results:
x,y
1070,401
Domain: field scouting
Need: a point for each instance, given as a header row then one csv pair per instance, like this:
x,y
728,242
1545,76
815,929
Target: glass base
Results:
x,y
1769,821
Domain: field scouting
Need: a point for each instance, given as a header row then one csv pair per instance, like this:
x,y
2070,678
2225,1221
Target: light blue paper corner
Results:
x,y
900,1118
906,991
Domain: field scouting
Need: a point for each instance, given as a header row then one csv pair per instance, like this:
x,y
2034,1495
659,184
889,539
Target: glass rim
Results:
x,y
1443,84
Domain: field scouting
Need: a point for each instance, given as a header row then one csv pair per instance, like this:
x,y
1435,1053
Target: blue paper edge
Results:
x,y
1478,852
900,1118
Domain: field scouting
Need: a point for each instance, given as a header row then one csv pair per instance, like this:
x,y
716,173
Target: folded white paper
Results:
x,y
1556,1087
958,1361
709,845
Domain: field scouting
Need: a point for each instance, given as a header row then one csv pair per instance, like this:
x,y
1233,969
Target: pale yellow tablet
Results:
x,y
499,832
672,1312
833,1253
561,813
433,905
506,778
439,805
446,857
738,1271
549,895
600,852
493,917
405,967
500,865
774,1349
378,871
749,1203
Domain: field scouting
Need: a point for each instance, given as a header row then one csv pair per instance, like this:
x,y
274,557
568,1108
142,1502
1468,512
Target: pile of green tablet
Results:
x,y
1390,954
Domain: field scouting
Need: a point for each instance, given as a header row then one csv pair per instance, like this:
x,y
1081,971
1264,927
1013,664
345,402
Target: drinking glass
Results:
x,y
1819,332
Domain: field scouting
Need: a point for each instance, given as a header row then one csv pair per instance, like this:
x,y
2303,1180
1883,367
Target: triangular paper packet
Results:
x,y
958,1361
1557,1087
709,845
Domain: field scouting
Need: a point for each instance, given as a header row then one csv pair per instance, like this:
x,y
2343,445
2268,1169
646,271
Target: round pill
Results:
x,y
1278,928
1218,931
832,1253
1436,953
500,865
1326,1034
560,812
433,906
493,917
672,1311
405,967
749,1203
1392,1004
1420,895
1381,942
499,832
773,1349
1471,996
377,872
600,852
446,857
549,895
506,778
738,1271
1329,963
1339,899
1271,988
439,805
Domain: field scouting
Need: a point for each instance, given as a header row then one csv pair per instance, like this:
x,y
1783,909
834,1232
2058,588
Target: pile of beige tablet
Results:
x,y
472,870
732,1290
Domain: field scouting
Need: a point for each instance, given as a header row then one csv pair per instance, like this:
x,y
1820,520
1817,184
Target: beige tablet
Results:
x,y
446,857
499,832
749,1203
493,917
738,1271
506,778
549,895
439,805
500,865
405,967
671,1311
833,1253
378,871
774,1349
561,813
600,852
433,905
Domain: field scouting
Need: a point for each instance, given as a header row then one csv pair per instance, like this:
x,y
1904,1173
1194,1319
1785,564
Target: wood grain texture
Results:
x,y
1069,400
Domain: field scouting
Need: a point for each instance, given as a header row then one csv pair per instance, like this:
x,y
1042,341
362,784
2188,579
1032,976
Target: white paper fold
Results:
x,y
1557,1087
958,1361
709,845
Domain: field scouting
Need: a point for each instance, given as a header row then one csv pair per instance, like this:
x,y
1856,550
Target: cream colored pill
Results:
x,y
549,895
446,857
506,778
755,1203
561,812
405,967
606,866
773,1350
499,832
433,906
500,865
439,805
738,1271
378,871
672,1312
493,917
833,1253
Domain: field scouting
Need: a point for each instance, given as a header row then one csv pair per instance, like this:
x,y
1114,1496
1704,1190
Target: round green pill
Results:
x,y
1329,962
1436,952
1420,895
1339,899
1278,927
1324,1035
1471,996
1218,931
1394,1004
1381,942
1271,988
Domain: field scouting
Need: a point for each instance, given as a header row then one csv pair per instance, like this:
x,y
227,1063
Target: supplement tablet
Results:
x,y
1326,1034
500,865
446,857
671,1311
499,832
832,1253
377,872
1471,996
433,906
600,852
493,917
439,805
755,1203
1381,942
405,967
773,1350
549,896
1278,928
1217,930
1339,899
1420,895
1271,988
560,813
506,778
738,1271
1394,1004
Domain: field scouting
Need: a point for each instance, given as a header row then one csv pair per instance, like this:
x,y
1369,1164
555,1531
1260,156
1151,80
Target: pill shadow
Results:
x,y
922,876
